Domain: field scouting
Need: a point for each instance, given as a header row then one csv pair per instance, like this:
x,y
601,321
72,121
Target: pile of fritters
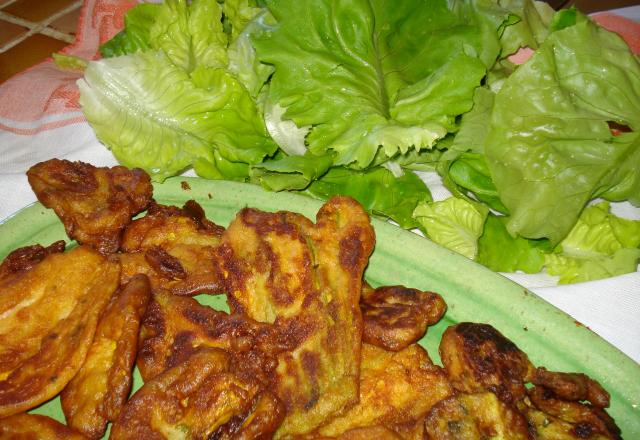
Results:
x,y
309,350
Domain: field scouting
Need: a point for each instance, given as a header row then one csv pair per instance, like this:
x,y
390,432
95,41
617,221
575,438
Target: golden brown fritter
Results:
x,y
306,279
24,258
100,389
572,386
473,417
94,204
573,419
49,317
25,426
367,433
200,398
479,358
396,388
175,327
547,427
396,316
175,248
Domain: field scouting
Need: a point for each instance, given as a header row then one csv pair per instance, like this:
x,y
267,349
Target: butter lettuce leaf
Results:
x,y
377,189
501,252
454,223
136,33
173,100
576,270
550,149
370,75
154,115
600,245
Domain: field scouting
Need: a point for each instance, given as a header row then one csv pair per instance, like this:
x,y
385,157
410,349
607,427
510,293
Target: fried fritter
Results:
x,y
98,392
280,268
572,419
572,386
49,317
473,417
547,427
25,426
479,358
396,316
366,433
94,204
175,327
24,258
200,398
175,248
396,388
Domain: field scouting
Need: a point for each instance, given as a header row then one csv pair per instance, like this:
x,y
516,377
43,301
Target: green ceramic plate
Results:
x,y
472,292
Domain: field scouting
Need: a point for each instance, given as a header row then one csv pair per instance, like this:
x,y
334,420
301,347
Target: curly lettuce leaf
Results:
x,y
454,223
377,189
154,115
550,138
371,74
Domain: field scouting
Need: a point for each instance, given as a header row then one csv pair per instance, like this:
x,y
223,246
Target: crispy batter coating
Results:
x,y
396,316
570,420
175,327
94,204
25,426
475,416
175,248
547,427
49,317
307,279
396,388
200,398
100,389
366,433
572,386
24,258
479,358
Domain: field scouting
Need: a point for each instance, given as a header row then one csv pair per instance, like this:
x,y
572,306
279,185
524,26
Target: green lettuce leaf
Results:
x,y
69,62
600,245
377,189
454,223
176,101
291,172
470,173
374,74
501,252
154,115
190,34
549,148
239,13
136,33
532,27
576,270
